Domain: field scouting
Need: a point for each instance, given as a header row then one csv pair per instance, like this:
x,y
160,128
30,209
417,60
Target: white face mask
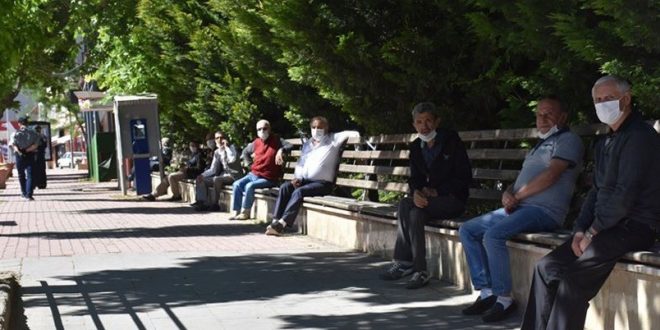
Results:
x,y
318,133
262,134
608,112
210,144
427,137
547,134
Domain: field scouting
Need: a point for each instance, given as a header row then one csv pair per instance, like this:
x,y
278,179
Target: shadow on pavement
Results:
x,y
269,286
144,232
66,177
142,210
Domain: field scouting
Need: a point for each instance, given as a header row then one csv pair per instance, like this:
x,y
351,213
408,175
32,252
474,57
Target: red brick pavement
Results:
x,y
74,217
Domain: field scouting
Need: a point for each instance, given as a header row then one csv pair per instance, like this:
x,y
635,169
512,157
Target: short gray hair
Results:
x,y
423,107
621,84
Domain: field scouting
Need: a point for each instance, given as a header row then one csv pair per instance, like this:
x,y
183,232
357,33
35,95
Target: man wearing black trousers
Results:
x,y
440,176
314,175
621,214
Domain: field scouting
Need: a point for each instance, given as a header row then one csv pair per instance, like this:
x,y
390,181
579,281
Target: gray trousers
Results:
x,y
217,182
410,244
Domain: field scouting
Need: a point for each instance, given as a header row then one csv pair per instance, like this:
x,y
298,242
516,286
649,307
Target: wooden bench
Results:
x,y
380,164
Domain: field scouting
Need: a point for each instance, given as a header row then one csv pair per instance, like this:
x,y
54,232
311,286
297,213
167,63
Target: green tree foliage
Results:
x,y
224,64
37,47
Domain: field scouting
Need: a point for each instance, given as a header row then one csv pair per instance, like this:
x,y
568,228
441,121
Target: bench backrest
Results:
x,y
380,163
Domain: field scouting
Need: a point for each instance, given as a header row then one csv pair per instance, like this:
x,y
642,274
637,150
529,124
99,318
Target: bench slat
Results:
x,y
490,174
498,134
497,154
366,184
474,154
477,173
485,194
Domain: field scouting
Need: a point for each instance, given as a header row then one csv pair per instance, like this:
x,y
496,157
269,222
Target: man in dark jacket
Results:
x,y
440,176
620,214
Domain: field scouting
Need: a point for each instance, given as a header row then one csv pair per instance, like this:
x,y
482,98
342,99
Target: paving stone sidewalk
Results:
x,y
92,259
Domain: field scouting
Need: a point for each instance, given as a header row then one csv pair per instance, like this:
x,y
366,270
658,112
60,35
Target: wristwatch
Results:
x,y
589,234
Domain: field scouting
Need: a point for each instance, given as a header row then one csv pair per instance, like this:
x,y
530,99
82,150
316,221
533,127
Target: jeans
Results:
x,y
563,283
290,198
484,242
243,190
410,246
24,166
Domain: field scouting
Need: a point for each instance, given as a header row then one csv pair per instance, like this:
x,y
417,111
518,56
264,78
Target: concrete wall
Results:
x,y
629,299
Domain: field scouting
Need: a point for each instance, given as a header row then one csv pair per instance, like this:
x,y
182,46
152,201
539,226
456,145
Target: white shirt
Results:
x,y
221,157
319,162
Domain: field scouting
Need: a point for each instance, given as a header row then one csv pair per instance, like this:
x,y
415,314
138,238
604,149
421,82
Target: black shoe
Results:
x,y
275,228
197,203
498,312
480,305
148,197
418,280
214,208
174,199
395,272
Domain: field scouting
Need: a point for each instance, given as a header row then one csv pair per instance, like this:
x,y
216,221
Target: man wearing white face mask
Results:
x,y
620,214
538,201
265,171
315,173
440,176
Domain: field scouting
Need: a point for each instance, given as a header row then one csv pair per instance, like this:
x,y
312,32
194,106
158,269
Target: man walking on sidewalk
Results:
x,y
25,143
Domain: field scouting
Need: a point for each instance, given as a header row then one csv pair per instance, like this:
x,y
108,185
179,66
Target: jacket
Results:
x,y
450,172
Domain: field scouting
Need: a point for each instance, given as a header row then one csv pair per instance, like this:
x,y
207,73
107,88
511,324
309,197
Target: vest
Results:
x,y
264,158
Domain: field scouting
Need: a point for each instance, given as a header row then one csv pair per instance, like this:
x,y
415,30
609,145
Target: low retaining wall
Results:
x,y
629,299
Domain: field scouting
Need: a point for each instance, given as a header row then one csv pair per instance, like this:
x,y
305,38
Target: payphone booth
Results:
x,y
138,138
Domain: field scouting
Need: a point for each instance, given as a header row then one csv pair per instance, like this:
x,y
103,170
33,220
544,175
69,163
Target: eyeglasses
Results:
x,y
262,128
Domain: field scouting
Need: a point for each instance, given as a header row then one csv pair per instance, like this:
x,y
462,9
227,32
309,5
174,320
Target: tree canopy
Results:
x,y
223,64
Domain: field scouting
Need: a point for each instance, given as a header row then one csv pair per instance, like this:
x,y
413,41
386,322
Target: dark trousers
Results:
x,y
563,284
290,198
24,165
410,244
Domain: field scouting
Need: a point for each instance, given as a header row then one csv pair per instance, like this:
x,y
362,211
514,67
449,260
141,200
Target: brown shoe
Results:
x,y
242,216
